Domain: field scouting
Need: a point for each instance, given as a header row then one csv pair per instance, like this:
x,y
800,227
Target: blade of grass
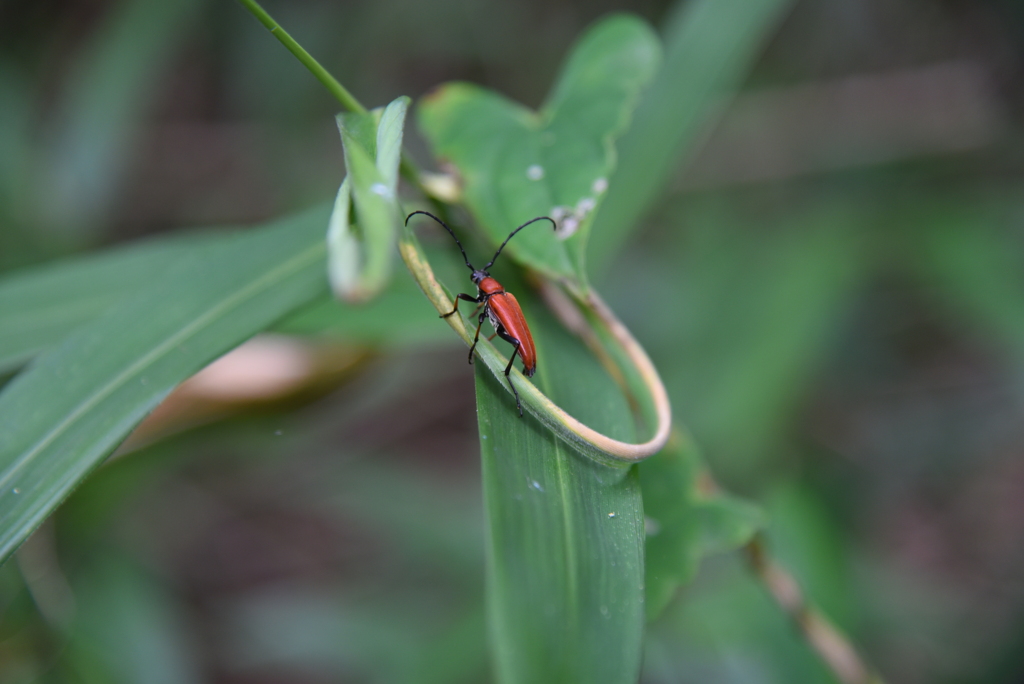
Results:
x,y
104,104
710,46
17,123
40,306
565,549
75,404
132,624
396,317
969,256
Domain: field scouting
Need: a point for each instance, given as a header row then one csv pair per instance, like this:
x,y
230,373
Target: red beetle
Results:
x,y
499,306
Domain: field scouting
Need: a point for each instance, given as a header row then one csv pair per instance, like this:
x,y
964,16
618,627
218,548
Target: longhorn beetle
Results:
x,y
499,306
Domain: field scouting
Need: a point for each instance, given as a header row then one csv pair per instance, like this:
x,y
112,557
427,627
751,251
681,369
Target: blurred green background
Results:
x,y
832,287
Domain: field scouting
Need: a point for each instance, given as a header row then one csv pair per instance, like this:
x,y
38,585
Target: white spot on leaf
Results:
x,y
568,227
569,219
585,206
535,172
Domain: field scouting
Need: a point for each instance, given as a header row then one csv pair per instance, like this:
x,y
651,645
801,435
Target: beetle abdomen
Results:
x,y
504,309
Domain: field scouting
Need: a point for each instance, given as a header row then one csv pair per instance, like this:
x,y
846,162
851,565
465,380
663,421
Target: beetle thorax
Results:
x,y
489,286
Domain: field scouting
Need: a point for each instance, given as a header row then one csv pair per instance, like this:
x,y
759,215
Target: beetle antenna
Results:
x,y
427,213
539,218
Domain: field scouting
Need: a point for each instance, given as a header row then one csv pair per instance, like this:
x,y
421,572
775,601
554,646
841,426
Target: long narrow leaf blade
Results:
x,y
103,106
968,256
62,416
565,549
40,306
710,46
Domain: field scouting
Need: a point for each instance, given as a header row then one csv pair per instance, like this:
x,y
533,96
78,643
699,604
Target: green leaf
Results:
x,y
398,316
107,95
377,218
390,132
687,519
360,253
564,555
727,522
518,164
343,245
966,251
74,405
17,123
710,46
672,549
808,539
732,631
762,307
130,627
40,306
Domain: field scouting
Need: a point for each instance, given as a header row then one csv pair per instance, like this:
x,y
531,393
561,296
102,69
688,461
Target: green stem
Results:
x,y
407,168
340,93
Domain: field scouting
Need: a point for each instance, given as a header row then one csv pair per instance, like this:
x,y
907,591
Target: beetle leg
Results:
x,y
501,332
480,322
461,295
508,369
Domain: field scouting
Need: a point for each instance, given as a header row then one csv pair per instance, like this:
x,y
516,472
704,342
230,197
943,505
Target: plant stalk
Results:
x,y
407,168
347,100
831,645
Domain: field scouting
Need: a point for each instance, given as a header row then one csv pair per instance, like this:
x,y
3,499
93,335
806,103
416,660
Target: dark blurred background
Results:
x,y
831,286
